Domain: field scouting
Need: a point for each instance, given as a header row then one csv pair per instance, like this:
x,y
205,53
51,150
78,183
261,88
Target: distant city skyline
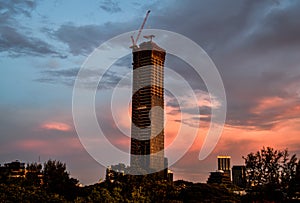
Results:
x,y
254,44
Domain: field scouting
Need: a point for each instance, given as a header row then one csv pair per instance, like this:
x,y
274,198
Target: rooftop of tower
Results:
x,y
223,157
149,45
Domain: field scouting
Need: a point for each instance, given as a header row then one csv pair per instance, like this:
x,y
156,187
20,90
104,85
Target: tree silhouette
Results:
x,y
34,173
270,171
56,179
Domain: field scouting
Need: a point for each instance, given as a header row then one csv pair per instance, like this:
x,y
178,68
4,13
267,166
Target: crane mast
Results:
x,y
134,42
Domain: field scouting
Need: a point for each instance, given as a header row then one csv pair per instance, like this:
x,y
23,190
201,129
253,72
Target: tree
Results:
x,y
56,179
34,172
270,170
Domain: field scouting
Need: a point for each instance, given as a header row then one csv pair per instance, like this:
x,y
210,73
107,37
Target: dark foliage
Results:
x,y
52,183
271,175
56,180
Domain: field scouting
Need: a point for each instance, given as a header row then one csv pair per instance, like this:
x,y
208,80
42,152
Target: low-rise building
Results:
x,y
239,176
15,169
218,177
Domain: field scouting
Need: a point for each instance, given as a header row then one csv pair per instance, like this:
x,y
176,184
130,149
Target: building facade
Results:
x,y
218,177
15,169
147,129
224,165
239,176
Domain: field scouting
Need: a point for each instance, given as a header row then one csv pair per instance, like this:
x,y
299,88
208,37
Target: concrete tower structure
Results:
x,y
147,129
224,165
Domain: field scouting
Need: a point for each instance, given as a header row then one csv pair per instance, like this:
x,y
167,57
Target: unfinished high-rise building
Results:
x,y
147,131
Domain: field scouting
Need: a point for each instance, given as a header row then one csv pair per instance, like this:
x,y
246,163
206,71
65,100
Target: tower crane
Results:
x,y
134,41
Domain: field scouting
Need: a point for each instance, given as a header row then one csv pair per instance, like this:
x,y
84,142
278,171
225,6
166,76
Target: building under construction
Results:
x,y
147,134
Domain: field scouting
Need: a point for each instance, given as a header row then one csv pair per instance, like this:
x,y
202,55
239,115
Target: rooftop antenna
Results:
x,y
134,41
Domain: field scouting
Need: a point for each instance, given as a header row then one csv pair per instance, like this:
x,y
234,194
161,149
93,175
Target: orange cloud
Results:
x,y
122,143
64,145
279,107
268,103
56,126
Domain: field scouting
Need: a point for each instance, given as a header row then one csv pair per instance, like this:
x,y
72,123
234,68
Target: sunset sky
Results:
x,y
255,46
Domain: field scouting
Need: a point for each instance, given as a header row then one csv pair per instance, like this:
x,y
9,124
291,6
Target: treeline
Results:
x,y
40,184
114,192
271,176
52,183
